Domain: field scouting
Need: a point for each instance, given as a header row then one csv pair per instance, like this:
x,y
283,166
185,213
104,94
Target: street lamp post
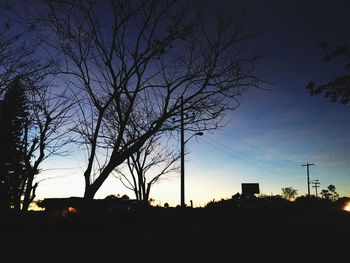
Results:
x,y
183,142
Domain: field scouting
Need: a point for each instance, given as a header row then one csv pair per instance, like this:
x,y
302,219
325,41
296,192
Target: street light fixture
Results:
x,y
195,134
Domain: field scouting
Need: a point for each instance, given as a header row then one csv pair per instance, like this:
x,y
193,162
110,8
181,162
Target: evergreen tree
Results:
x,y
13,121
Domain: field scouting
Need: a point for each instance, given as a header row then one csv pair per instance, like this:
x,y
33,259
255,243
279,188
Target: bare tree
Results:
x,y
45,135
146,167
144,62
45,132
32,118
13,56
17,57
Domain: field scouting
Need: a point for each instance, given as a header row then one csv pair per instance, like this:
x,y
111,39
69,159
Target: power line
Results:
x,y
251,160
229,151
254,146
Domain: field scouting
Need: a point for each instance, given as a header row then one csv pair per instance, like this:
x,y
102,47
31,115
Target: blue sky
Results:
x,y
272,133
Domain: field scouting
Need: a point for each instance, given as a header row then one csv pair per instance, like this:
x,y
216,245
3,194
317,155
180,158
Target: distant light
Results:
x,y
72,210
347,207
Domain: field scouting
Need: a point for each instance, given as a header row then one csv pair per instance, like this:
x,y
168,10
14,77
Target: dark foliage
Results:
x,y
13,121
338,89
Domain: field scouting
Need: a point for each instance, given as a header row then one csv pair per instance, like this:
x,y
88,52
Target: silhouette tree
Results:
x,y
111,197
152,158
153,59
47,111
330,193
325,194
17,56
338,89
31,118
46,134
289,193
13,121
334,194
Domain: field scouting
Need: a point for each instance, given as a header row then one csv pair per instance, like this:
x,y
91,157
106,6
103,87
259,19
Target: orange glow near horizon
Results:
x,y
347,207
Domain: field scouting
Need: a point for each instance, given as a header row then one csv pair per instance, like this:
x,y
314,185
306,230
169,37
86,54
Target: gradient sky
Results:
x,y
272,133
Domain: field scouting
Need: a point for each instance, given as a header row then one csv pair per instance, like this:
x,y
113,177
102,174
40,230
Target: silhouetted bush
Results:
x,y
312,203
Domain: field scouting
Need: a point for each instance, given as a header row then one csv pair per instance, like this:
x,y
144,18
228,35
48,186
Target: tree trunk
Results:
x,y
29,189
91,189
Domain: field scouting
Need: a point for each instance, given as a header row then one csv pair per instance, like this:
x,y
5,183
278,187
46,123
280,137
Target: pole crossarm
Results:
x,y
316,184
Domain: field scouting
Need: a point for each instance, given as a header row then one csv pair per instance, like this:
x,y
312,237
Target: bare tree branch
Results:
x,y
135,64
155,159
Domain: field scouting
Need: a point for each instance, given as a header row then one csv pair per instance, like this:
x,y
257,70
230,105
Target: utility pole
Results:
x,y
308,177
316,184
182,152
182,149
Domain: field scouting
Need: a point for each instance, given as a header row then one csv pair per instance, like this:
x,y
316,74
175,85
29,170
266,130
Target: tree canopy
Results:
x,y
289,193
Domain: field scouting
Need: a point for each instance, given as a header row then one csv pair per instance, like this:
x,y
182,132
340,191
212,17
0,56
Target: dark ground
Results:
x,y
212,235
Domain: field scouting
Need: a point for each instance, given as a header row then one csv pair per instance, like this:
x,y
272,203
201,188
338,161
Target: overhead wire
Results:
x,y
255,147
239,155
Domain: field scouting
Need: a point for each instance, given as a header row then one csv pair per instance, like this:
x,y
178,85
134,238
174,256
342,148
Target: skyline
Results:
x,y
273,132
